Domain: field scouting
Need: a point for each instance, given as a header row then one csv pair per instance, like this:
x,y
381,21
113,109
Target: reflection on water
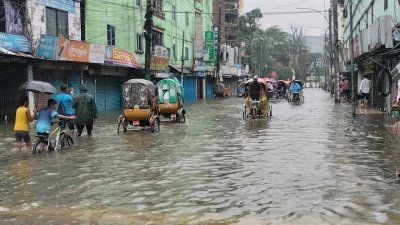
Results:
x,y
310,164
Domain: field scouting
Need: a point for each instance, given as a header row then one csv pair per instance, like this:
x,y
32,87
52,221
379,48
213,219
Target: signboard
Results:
x,y
96,53
210,45
160,51
76,51
158,63
199,65
119,57
65,5
200,74
15,42
47,47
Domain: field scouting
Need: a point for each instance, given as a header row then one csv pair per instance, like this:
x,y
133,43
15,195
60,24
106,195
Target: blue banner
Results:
x,y
47,47
15,42
65,5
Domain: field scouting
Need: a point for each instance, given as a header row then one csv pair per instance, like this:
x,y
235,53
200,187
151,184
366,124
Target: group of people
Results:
x,y
363,94
79,111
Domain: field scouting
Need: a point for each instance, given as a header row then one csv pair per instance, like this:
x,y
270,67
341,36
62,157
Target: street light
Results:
x,y
317,11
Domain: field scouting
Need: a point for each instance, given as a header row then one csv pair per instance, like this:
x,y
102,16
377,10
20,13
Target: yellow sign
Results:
x,y
158,63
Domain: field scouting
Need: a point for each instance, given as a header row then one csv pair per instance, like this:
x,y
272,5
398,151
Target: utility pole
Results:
x,y
353,83
336,50
148,26
330,47
183,56
219,46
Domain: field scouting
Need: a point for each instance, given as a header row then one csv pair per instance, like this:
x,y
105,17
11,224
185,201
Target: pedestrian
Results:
x,y
21,127
345,89
64,100
85,110
365,88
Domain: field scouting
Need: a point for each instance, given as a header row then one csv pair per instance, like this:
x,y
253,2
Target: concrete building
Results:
x,y
375,40
226,21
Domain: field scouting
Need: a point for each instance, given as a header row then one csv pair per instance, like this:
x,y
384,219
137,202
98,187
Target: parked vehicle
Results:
x,y
257,108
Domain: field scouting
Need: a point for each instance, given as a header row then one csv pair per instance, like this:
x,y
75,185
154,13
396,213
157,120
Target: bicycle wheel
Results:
x,y
39,146
66,142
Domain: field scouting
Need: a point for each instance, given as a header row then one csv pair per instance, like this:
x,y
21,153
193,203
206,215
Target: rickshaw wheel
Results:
x,y
302,99
270,110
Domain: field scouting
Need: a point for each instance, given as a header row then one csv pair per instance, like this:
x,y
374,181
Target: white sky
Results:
x,y
313,24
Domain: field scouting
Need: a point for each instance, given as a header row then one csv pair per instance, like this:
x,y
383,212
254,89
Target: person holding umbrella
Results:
x,y
21,127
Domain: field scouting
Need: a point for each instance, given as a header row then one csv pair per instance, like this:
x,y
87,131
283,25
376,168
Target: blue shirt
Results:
x,y
66,99
295,87
44,118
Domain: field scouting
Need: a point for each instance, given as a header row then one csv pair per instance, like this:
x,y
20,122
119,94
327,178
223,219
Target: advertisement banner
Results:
x,y
76,51
15,42
158,63
97,53
210,45
65,5
160,51
119,57
47,47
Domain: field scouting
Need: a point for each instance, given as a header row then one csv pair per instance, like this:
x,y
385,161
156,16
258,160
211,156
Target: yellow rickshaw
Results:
x,y
140,106
170,100
257,108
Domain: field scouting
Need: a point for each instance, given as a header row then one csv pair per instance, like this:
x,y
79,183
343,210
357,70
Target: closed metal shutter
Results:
x,y
189,84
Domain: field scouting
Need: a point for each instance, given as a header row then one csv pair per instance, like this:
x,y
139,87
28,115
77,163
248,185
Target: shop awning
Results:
x,y
178,69
14,53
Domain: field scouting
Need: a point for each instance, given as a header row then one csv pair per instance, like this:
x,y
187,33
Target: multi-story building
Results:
x,y
376,27
226,22
178,33
101,43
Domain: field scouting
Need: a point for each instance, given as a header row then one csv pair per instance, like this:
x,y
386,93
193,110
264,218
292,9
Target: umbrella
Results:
x,y
38,87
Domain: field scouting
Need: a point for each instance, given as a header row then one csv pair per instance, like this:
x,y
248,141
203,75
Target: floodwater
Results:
x,y
311,163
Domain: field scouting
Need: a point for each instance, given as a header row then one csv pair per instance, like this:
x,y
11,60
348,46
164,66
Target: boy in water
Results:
x,y
45,116
22,119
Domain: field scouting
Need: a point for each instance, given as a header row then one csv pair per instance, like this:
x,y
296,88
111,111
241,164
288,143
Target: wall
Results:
x,y
37,18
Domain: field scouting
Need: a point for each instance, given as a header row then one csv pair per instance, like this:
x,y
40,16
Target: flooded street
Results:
x,y
310,164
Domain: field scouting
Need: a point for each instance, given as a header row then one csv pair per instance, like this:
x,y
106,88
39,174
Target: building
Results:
x,y
226,24
376,27
101,43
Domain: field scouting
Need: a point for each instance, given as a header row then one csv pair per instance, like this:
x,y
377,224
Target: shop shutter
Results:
x,y
189,84
74,80
113,92
101,84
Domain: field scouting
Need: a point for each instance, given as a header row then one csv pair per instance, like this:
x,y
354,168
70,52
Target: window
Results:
x,y
187,18
186,53
138,2
158,38
110,35
57,23
139,42
386,4
173,12
174,51
157,5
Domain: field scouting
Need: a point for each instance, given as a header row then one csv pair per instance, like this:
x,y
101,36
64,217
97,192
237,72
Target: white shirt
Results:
x,y
270,86
365,86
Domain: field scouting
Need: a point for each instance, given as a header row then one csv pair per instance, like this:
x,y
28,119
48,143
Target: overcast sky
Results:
x,y
312,23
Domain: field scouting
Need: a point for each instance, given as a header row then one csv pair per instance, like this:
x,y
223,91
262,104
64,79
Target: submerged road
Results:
x,y
310,164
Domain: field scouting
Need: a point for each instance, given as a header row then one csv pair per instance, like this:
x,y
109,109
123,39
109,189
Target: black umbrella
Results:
x,y
38,87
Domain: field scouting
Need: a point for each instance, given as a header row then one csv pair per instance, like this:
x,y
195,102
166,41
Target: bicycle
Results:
x,y
63,139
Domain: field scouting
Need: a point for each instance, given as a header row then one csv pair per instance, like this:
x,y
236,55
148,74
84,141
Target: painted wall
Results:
x,y
128,19
37,19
